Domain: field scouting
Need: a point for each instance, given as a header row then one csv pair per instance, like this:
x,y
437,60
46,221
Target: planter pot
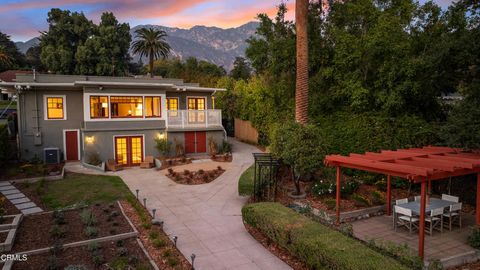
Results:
x,y
292,194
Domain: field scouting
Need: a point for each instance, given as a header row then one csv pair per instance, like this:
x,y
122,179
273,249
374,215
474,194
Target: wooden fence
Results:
x,y
245,131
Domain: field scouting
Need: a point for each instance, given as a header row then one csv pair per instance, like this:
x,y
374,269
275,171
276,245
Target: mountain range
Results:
x,y
212,44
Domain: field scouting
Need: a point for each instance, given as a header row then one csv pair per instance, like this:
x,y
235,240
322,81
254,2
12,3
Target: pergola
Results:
x,y
418,165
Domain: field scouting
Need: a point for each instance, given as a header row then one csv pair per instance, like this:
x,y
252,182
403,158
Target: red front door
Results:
x,y
195,142
71,145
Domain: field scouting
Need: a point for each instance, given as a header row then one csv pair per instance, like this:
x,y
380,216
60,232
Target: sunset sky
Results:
x,y
22,19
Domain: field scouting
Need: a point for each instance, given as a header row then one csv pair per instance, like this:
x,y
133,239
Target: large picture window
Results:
x,y
55,108
153,107
126,107
98,106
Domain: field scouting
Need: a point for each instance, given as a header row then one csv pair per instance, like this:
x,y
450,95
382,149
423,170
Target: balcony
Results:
x,y
194,118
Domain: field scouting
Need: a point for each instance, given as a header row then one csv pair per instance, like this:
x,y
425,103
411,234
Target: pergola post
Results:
x,y
477,209
389,195
338,195
421,230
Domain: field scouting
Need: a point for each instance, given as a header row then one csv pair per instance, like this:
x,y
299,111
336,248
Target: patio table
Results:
x,y
433,204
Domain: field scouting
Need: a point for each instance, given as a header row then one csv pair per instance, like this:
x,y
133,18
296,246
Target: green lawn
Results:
x,y
245,184
80,188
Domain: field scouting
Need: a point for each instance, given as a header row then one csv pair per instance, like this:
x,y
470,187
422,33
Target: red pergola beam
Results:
x,y
434,159
425,164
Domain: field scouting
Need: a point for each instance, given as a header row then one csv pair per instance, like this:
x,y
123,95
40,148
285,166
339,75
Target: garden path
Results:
x,y
17,198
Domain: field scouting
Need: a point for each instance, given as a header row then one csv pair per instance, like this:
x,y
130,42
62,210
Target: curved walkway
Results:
x,y
206,218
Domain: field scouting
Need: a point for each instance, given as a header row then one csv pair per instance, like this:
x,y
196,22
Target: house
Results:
x,y
112,117
10,76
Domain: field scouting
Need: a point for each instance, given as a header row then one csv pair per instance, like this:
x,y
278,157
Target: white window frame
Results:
x,y
45,107
204,97
65,143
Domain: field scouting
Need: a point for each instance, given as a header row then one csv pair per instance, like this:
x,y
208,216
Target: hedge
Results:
x,y
318,246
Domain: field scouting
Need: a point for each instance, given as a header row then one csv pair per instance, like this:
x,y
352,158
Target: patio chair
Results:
x,y
113,166
405,217
147,163
418,198
454,214
435,220
450,198
401,201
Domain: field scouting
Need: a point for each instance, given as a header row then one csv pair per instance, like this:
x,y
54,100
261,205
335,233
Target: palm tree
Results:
x,y
301,91
151,43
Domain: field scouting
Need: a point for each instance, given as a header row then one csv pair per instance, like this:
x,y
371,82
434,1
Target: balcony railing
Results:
x,y
194,118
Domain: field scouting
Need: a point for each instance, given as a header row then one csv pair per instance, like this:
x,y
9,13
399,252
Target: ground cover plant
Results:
x,y
318,246
245,183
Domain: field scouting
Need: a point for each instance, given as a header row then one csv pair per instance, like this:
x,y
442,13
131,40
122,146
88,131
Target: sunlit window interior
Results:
x,y
99,107
152,107
126,106
55,108
172,104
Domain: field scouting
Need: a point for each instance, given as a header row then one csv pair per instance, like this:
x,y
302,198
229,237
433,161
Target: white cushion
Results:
x,y
408,218
451,214
432,218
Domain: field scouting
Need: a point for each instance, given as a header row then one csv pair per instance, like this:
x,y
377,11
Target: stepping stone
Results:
x,y
9,192
33,210
5,183
6,187
15,196
21,200
21,206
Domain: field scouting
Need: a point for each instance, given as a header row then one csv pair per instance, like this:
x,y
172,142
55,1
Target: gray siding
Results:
x,y
51,131
124,125
179,137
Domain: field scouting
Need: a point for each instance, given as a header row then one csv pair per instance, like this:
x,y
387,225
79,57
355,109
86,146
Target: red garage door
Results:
x,y
195,142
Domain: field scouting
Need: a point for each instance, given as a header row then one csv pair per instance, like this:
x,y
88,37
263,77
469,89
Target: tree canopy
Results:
x,y
11,57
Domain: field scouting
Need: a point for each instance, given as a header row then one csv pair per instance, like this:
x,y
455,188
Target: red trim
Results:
x,y
129,150
389,195
421,234
108,108
160,105
477,212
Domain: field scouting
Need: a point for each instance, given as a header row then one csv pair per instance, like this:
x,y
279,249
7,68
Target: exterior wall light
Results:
x,y
89,139
161,136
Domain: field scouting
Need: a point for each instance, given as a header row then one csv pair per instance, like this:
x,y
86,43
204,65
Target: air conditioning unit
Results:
x,y
51,155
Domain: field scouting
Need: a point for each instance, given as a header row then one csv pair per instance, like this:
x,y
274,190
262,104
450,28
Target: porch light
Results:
x,y
89,139
161,136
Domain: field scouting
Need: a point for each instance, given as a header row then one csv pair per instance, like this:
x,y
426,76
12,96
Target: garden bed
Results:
x,y
3,236
199,177
121,254
222,158
43,230
30,170
8,206
156,242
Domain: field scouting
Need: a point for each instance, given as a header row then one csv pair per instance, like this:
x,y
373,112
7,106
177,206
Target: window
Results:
x,y
55,107
153,107
126,107
172,104
98,107
196,103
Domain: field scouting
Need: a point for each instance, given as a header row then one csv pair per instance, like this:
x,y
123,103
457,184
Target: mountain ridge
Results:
x,y
210,43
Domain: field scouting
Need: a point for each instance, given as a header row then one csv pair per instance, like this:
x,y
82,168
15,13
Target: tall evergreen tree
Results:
x,y
241,69
12,57
301,90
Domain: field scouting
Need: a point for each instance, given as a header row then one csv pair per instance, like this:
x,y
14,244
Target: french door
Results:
x,y
129,150
196,107
195,142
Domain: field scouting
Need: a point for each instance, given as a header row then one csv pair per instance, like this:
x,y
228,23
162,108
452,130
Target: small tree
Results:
x,y
163,146
300,147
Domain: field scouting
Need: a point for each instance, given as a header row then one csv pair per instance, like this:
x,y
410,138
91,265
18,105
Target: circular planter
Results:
x,y
302,194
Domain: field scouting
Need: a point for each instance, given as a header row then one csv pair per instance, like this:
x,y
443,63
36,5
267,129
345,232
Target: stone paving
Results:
x,y
438,246
19,199
206,218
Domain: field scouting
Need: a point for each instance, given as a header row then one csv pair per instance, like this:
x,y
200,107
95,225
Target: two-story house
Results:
x,y
112,117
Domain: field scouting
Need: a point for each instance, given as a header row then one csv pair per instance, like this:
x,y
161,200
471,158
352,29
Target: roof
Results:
x,y
11,75
79,81
415,164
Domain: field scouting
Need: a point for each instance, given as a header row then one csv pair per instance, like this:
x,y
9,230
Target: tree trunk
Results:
x,y
301,91
150,63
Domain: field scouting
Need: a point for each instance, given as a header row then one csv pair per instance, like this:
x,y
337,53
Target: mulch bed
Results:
x,y
6,220
276,249
172,162
110,252
467,266
152,245
3,236
195,178
35,231
10,209
222,158
27,170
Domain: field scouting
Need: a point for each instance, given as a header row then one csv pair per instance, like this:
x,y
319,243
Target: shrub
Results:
x,y
186,172
212,147
322,188
88,218
98,260
94,159
359,200
226,147
378,198
91,231
330,203
158,243
474,237
153,235
172,261
219,168
318,246
163,146
119,243
57,232
52,263
201,171
122,252
167,253
381,184
170,171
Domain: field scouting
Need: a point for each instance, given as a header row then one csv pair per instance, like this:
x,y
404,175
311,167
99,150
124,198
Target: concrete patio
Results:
x,y
450,247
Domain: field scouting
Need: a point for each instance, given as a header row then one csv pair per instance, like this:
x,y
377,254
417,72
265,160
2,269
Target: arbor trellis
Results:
x,y
265,177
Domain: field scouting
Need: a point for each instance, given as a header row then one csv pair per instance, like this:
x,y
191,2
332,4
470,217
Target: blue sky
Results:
x,y
23,19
